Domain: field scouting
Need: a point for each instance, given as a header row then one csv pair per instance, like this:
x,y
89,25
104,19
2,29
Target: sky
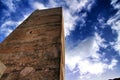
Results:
x,y
92,33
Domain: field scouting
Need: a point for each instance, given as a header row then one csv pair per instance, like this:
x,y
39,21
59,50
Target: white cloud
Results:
x,y
87,59
90,4
7,31
38,5
89,67
100,41
7,23
114,22
69,21
84,49
75,5
101,21
6,12
115,4
5,27
78,5
113,63
9,4
113,1
53,3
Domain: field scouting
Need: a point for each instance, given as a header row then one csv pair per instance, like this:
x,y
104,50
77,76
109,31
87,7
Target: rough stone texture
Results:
x,y
33,50
26,71
2,68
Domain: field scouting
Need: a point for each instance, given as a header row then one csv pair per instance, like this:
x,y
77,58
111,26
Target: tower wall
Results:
x,y
35,49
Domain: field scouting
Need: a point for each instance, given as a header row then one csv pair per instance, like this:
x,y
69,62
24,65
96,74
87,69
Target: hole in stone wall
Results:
x,y
30,32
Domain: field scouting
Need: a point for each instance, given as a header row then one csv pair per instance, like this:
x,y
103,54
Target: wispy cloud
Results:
x,y
113,63
5,29
38,5
10,5
9,25
87,59
78,5
69,21
114,22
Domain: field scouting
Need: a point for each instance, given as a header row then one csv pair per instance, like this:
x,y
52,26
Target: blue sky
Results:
x,y
92,33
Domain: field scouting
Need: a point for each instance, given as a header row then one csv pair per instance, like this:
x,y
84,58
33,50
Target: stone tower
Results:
x,y
35,49
115,79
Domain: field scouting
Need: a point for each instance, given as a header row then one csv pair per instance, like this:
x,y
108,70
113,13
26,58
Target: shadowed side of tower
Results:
x,y
115,79
35,49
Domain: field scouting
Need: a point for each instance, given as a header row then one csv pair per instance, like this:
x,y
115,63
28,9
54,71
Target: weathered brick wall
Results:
x,y
33,50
